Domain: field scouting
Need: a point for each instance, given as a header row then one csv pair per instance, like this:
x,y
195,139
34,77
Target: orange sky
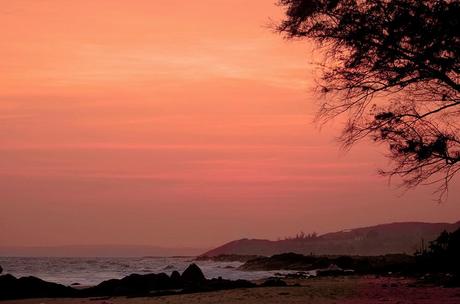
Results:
x,y
173,123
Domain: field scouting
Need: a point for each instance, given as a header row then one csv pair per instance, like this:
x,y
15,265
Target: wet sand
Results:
x,y
348,290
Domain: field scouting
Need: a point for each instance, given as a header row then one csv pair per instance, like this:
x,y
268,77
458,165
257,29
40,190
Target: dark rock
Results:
x,y
193,274
7,280
134,284
274,282
453,282
191,280
441,279
288,261
31,287
1,269
360,264
175,276
332,270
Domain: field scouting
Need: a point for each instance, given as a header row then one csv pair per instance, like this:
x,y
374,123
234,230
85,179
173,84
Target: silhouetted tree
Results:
x,y
302,236
391,66
443,253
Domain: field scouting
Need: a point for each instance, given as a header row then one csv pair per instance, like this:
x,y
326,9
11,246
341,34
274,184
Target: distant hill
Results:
x,y
97,251
375,240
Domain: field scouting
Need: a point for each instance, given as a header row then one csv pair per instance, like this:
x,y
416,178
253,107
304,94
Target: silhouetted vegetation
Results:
x,y
439,263
391,66
302,236
443,254
365,241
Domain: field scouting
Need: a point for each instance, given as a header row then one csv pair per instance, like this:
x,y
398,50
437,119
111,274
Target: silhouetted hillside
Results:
x,y
375,240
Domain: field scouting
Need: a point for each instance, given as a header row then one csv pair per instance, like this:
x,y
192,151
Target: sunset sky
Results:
x,y
174,123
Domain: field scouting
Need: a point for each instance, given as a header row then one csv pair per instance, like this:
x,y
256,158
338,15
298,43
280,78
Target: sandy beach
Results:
x,y
357,290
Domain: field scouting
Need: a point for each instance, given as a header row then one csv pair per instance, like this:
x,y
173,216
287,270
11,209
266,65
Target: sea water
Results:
x,y
92,271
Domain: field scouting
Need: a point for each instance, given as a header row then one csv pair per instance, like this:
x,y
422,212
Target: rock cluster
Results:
x,y
191,280
31,287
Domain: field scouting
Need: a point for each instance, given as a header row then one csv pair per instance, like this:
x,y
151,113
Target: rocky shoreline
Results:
x,y
191,280
359,264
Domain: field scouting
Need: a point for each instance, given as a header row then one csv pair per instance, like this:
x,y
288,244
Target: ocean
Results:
x,y
92,271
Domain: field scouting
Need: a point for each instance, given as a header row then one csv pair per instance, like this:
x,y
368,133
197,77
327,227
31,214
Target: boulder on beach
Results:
x,y
274,282
31,287
332,270
191,280
134,284
193,274
175,276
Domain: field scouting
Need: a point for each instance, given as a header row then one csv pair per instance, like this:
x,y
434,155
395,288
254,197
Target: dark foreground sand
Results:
x,y
356,290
